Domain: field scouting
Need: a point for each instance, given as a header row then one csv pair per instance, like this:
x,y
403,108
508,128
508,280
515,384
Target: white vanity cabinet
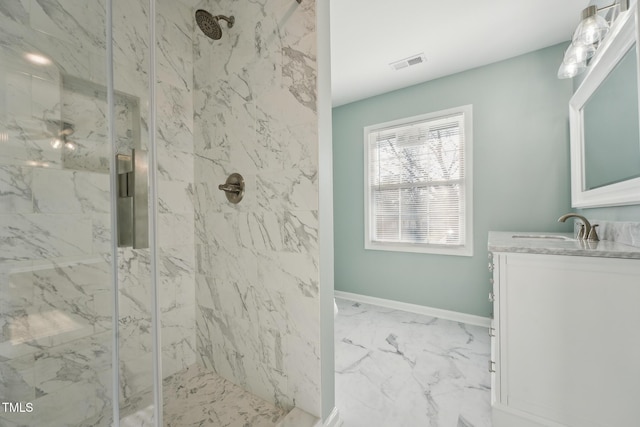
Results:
x,y
566,350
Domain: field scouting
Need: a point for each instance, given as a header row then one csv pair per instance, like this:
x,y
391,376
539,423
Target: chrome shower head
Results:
x,y
209,23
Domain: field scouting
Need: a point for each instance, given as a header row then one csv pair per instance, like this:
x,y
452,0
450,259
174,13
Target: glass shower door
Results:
x,y
57,276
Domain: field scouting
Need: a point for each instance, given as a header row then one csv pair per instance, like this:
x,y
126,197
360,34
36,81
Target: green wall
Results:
x,y
521,177
615,213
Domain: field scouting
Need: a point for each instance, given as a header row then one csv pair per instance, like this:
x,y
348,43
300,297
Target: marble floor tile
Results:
x,y
198,397
395,368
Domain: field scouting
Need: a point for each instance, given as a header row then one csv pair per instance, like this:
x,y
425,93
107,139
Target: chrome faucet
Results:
x,y
587,231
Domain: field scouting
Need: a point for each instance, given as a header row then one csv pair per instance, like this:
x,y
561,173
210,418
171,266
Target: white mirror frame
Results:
x,y
622,36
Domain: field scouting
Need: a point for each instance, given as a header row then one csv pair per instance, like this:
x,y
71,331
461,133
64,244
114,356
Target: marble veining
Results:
x,y
257,290
624,232
395,368
502,241
195,396
56,318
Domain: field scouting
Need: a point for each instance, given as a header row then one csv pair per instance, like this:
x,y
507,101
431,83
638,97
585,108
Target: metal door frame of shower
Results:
x,y
153,215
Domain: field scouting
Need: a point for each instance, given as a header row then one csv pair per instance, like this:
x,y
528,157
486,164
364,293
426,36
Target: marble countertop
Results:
x,y
503,241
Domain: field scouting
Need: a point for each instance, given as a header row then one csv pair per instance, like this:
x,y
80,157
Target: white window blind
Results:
x,y
416,182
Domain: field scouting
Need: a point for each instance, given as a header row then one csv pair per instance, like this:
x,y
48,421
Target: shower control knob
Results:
x,y
233,188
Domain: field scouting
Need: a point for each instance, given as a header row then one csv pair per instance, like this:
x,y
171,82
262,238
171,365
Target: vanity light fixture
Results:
x,y
586,39
571,69
592,28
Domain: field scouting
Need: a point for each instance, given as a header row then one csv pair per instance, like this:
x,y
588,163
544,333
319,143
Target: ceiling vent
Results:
x,y
408,62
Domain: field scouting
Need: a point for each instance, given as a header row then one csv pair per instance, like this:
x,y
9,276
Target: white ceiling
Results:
x,y
366,35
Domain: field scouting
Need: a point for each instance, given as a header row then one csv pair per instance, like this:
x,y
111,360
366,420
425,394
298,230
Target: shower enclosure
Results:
x,y
102,100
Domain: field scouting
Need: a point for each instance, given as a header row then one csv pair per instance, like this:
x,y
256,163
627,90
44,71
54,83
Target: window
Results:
x,y
418,192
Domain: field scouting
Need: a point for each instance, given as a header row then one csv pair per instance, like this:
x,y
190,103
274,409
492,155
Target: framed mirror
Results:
x,y
605,123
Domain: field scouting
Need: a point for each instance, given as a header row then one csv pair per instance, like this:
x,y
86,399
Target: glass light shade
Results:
x,y
71,146
570,70
590,30
56,143
578,53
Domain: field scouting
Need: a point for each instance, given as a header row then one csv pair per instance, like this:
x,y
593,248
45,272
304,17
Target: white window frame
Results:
x,y
463,250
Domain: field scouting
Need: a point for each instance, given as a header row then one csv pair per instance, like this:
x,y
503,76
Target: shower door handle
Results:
x,y
133,199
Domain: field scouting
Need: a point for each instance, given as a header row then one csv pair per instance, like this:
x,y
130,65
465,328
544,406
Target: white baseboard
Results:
x,y
455,316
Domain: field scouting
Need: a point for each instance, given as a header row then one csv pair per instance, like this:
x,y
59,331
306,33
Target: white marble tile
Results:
x,y
73,21
66,287
398,368
40,326
288,190
302,366
17,11
174,261
175,118
300,231
294,103
302,151
247,359
47,305
18,380
136,378
175,197
177,291
17,87
257,282
37,236
174,27
135,309
15,189
81,360
101,226
84,405
197,397
16,295
176,230
178,339
84,107
261,231
174,165
64,191
131,35
140,414
91,407
223,231
45,97
69,57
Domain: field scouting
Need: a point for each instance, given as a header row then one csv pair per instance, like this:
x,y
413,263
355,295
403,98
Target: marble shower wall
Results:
x,y
55,281
174,88
174,144
257,280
